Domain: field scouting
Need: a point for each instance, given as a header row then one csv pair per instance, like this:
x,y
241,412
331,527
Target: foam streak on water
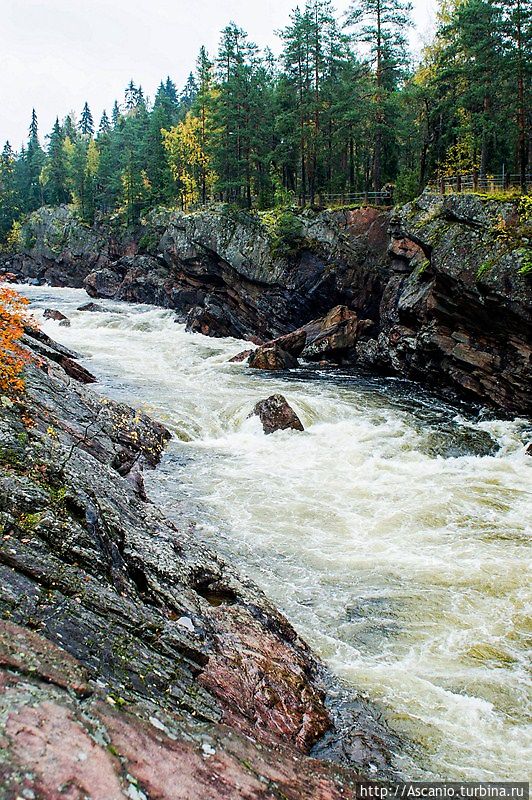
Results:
x,y
396,550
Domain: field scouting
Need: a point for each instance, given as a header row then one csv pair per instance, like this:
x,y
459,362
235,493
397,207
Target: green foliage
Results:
x,y
407,186
148,242
286,231
333,113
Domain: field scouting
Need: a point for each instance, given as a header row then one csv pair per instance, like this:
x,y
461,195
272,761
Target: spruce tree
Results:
x,y
381,24
86,122
56,172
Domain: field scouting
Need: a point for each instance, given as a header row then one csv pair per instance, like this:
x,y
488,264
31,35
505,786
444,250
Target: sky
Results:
x,y
55,54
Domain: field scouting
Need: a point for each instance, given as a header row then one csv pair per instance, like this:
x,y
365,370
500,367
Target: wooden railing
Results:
x,y
475,182
382,198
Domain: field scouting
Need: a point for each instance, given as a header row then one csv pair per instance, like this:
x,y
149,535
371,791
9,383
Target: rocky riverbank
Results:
x,y
134,662
441,289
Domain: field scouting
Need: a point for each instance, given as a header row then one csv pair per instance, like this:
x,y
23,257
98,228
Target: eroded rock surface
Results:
x,y
457,310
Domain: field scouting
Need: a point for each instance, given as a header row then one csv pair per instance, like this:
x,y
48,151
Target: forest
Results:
x,y
342,109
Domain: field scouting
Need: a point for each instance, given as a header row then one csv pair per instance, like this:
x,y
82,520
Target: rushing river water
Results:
x,y
391,533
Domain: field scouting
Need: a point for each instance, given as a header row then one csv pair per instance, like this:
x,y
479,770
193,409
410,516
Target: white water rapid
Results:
x,y
392,537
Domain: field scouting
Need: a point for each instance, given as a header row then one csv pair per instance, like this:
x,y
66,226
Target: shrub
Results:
x,y
286,231
13,357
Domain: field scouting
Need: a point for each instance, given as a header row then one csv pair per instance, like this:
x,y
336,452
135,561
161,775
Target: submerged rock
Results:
x,y
93,307
271,357
52,313
276,414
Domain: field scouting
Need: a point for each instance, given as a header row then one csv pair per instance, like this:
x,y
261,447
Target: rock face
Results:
x,y
276,415
438,291
134,662
457,310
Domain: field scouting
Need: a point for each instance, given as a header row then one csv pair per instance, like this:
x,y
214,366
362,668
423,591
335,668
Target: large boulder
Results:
x,y
271,357
334,334
330,337
276,415
293,343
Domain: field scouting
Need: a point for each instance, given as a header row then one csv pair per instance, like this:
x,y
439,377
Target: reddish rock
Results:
x,y
293,343
528,449
276,414
335,333
48,742
263,683
271,357
405,248
31,654
240,357
76,371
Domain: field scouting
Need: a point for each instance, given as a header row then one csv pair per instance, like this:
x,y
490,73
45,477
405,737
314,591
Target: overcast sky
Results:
x,y
55,54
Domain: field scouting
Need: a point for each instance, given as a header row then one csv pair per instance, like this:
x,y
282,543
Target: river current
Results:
x,y
393,533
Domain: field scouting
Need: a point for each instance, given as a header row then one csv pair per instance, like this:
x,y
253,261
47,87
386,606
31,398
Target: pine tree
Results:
x,y
55,171
105,124
86,122
381,24
9,199
34,162
116,114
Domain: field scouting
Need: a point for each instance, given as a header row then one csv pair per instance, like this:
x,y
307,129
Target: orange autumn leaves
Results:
x,y
13,357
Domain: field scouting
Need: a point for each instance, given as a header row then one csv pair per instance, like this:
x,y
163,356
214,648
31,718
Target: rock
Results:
x,y
427,275
293,343
76,371
242,356
135,478
64,323
9,277
276,414
459,315
528,449
51,313
93,307
271,358
328,338
209,320
333,335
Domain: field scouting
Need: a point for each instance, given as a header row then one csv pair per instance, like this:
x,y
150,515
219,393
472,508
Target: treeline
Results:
x,y
341,110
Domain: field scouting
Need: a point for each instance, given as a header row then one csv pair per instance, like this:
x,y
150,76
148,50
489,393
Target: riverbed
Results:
x,y
393,532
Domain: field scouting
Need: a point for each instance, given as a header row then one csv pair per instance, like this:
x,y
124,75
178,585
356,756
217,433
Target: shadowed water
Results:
x,y
392,533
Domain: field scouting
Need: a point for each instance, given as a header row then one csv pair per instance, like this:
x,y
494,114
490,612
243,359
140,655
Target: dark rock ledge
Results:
x,y
134,662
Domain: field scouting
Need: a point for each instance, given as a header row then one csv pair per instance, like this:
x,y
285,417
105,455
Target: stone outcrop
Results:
x,y
439,291
276,414
134,662
271,357
456,312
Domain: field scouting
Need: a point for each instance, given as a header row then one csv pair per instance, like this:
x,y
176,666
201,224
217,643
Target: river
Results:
x,y
393,533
